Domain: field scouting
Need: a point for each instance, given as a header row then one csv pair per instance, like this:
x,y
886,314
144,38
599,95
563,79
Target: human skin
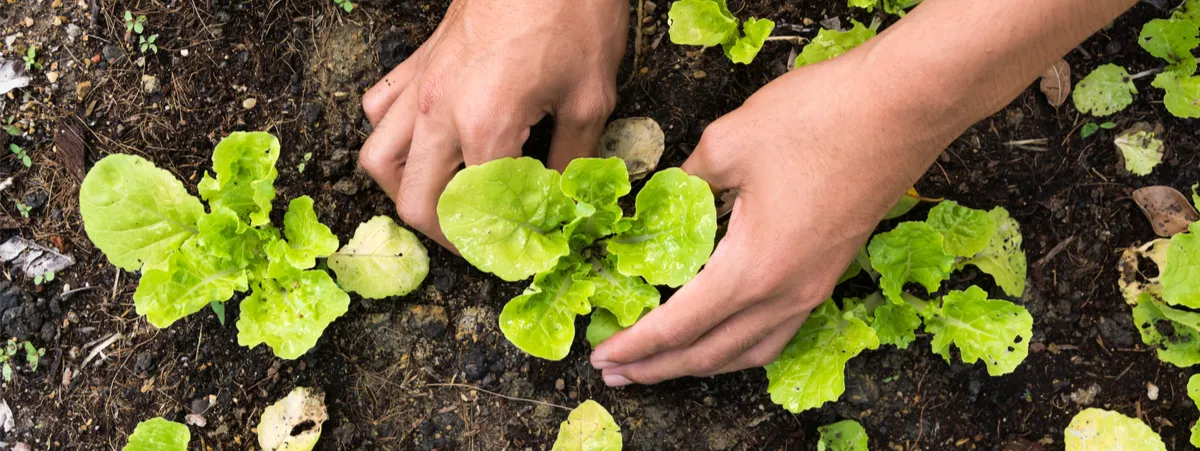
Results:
x,y
818,155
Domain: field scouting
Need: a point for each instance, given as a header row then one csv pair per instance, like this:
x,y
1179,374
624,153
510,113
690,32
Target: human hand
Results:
x,y
469,94
818,157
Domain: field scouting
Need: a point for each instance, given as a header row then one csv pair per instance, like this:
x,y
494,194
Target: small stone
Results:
x,y
184,52
312,113
82,89
73,31
199,405
150,84
112,53
1085,396
650,29
143,362
52,76
1152,391
250,103
699,74
195,420
650,8
346,186
28,21
472,323
559,384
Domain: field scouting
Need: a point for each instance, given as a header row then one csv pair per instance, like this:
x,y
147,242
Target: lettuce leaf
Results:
x,y
626,297
504,217
673,232
845,435
541,321
158,434
1174,333
601,325
896,324
596,183
745,48
191,278
588,428
382,260
811,369
290,314
1099,429
1181,274
831,43
912,252
281,427
1173,41
245,180
1105,91
1193,391
701,22
995,331
136,213
1003,257
965,231
225,236
1181,92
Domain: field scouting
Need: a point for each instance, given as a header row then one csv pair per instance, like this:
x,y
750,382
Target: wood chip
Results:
x,y
69,147
1056,83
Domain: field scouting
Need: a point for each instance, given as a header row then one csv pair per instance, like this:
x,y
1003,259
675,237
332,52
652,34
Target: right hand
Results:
x,y
470,93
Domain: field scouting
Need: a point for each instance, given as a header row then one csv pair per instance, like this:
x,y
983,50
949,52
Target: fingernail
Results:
x,y
616,380
603,365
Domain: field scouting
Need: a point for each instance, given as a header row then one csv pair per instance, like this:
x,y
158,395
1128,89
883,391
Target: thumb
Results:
x,y
712,159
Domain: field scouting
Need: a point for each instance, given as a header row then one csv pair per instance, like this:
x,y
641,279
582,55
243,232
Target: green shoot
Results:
x,y
1091,128
21,154
304,162
136,25
148,43
345,4
32,355
23,208
30,58
45,277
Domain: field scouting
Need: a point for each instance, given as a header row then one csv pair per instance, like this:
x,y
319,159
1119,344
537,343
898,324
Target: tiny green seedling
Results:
x,y
21,154
709,23
10,127
345,4
31,57
23,208
132,24
1091,128
33,354
148,43
304,162
7,353
42,278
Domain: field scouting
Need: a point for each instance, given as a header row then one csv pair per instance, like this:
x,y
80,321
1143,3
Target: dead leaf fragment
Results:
x,y
33,259
1056,83
1167,209
6,417
11,76
639,141
294,422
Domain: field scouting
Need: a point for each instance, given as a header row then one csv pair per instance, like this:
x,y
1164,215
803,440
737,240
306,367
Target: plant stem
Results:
x,y
1147,73
798,39
914,301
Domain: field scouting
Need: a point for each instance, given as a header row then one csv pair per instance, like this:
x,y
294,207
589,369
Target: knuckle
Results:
x,y
672,337
373,101
369,158
413,213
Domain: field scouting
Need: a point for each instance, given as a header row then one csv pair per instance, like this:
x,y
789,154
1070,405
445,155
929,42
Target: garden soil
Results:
x,y
431,370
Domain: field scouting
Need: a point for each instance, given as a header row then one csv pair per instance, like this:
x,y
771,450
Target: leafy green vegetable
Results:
x,y
995,331
294,422
1172,40
1105,91
1098,429
746,47
896,7
672,234
245,181
589,428
845,435
907,202
912,252
1142,150
191,279
965,231
135,213
625,297
505,217
601,325
831,43
1174,333
708,23
290,314
307,239
811,369
1196,195
596,184
1181,273
541,321
226,237
1182,96
1003,257
1189,10
1193,390
896,324
158,434
382,260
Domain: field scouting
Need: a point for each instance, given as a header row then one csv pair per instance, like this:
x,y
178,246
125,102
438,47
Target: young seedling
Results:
x,y
845,435
31,58
11,128
515,218
304,162
148,43
345,5
21,153
1091,128
142,218
33,355
23,208
709,23
7,353
135,25
45,277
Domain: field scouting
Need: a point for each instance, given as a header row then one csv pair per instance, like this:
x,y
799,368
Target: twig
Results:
x,y
1058,248
1146,73
1030,144
510,398
100,347
798,39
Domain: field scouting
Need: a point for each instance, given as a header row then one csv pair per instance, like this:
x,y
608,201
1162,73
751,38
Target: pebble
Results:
x,y
249,103
150,84
1152,391
73,31
82,89
112,53
52,76
1085,396
560,385
346,186
699,74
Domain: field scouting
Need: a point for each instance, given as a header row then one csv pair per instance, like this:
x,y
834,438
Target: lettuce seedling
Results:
x,y
515,219
1193,391
143,219
896,7
589,427
831,43
709,23
845,435
810,370
1094,429
158,434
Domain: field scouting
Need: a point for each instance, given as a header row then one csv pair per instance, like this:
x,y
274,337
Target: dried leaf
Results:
x,y
1140,147
639,141
1056,83
11,76
33,259
68,146
6,417
1167,209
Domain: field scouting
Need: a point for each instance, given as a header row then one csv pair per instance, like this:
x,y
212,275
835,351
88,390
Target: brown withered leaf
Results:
x,y
1167,209
1056,83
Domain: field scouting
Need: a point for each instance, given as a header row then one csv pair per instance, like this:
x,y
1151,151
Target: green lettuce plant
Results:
x,y
143,219
831,43
1094,429
845,435
1110,88
589,427
1193,391
709,23
810,370
515,219
897,7
158,434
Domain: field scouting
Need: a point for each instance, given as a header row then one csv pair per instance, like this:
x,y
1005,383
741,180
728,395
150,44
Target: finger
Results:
x,y
384,154
767,350
495,125
378,100
706,301
715,350
709,160
577,130
434,159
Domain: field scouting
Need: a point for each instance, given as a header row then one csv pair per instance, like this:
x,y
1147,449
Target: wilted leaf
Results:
x,y
11,76
33,259
282,424
1056,83
1140,148
1167,209
638,141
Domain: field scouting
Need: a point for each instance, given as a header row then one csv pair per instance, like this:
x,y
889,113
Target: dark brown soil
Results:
x,y
431,371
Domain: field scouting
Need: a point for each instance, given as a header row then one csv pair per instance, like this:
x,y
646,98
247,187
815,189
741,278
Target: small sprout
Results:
x,y
32,355
136,25
148,43
42,278
345,4
304,162
21,154
23,208
30,57
1091,128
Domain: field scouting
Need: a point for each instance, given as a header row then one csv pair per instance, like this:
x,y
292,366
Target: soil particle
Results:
x,y
474,322
861,390
343,434
150,84
438,432
312,113
1117,330
430,320
35,199
22,316
144,362
113,53
1085,396
346,186
721,439
337,165
473,365
394,48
